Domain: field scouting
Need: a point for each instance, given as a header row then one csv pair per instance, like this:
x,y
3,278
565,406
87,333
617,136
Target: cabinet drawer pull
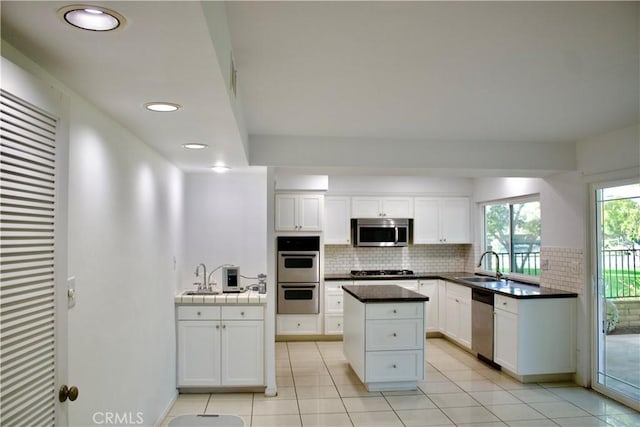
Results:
x,y
298,325
242,313
198,313
224,326
217,326
395,311
395,335
338,302
394,366
504,303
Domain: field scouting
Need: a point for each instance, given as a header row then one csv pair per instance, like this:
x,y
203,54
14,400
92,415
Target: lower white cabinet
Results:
x,y
220,345
333,302
298,324
430,288
535,336
384,343
458,314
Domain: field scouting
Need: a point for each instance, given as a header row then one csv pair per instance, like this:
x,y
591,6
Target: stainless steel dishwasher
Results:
x,y
482,325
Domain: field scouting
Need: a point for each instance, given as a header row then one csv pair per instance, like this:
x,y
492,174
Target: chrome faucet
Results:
x,y
203,287
498,274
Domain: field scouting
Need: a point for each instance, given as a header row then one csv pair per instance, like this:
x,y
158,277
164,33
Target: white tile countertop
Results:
x,y
249,297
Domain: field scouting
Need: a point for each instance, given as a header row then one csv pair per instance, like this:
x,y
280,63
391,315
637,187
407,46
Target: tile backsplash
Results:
x,y
340,259
565,270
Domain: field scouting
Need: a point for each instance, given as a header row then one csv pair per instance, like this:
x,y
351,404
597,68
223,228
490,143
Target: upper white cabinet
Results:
x,y
382,207
441,220
299,212
337,221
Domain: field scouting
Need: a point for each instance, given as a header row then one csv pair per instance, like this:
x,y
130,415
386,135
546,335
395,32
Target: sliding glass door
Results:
x,y
617,267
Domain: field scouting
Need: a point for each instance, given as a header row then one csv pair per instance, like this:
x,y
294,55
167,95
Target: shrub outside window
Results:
x,y
512,230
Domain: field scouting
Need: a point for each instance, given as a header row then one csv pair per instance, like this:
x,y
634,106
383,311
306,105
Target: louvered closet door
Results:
x,y
27,316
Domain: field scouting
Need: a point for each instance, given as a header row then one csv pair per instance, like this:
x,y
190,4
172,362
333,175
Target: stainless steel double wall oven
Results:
x,y
298,274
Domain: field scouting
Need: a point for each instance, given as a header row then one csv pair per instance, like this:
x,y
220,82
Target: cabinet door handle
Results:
x,y
217,326
395,311
504,303
198,313
395,335
394,366
224,326
338,302
242,313
298,325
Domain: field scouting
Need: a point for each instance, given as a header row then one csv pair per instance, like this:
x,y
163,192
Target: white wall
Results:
x,y
125,216
615,151
226,222
562,204
399,185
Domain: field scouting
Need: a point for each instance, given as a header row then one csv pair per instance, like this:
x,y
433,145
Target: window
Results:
x,y
512,230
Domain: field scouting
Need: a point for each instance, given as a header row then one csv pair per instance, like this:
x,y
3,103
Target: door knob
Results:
x,y
70,393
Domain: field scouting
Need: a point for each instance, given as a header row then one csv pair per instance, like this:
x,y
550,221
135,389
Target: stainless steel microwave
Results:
x,y
381,232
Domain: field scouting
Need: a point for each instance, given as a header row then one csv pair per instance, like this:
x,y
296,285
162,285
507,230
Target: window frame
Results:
x,y
483,244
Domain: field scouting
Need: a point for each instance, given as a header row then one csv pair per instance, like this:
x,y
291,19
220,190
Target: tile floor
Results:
x,y
316,387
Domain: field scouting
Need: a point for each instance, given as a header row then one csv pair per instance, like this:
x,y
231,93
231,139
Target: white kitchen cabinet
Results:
x,y
430,288
535,336
333,306
458,314
337,224
382,207
298,324
220,345
441,220
384,343
299,212
442,305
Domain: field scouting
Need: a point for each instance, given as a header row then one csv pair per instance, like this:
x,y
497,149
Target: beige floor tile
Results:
x,y
581,422
349,378
321,391
186,406
375,419
310,370
515,412
559,409
301,363
283,363
453,400
471,414
321,406
355,390
184,396
232,396
313,380
417,392
410,402
434,377
233,407
494,397
365,404
535,395
439,387
424,417
326,420
464,375
275,407
276,421
532,423
484,385
286,381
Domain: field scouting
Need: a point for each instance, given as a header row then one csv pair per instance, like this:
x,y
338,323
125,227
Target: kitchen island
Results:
x,y
384,336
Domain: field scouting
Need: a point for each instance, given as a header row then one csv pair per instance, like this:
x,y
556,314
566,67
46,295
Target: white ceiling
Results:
x,y
417,72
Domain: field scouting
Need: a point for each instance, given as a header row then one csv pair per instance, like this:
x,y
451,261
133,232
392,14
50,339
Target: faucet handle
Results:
x,y
198,284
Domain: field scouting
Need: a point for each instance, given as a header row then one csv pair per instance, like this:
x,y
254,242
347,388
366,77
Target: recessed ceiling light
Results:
x,y
194,146
220,168
162,107
92,18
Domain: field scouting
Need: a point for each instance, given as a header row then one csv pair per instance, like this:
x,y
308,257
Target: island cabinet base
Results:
x,y
384,343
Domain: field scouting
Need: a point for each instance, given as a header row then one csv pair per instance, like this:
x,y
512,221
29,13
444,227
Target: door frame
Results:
x,y
594,288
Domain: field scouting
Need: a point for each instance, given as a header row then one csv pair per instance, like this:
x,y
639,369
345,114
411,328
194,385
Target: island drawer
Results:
x,y
506,304
198,312
404,310
394,365
242,312
399,334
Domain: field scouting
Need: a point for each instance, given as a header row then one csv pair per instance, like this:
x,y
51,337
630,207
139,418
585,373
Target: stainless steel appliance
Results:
x,y
482,324
298,274
381,232
382,273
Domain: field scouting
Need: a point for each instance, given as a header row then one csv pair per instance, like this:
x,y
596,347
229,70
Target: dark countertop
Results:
x,y
383,293
510,288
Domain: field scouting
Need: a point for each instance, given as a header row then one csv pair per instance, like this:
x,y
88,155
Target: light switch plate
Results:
x,y
544,265
71,292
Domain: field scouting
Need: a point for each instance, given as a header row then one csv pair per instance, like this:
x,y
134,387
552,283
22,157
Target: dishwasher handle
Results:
x,y
483,296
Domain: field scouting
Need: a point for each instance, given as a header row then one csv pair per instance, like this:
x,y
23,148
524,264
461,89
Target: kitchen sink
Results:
x,y
479,279
189,293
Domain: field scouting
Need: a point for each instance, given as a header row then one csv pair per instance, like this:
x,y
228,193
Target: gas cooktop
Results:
x,y
386,273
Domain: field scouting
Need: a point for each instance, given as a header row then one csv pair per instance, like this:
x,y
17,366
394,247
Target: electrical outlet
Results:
x,y
575,267
71,292
544,265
